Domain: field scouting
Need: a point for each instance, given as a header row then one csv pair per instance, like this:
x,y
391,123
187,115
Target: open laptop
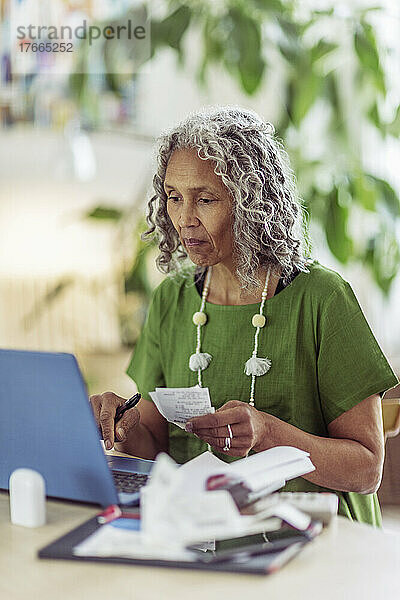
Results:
x,y
47,424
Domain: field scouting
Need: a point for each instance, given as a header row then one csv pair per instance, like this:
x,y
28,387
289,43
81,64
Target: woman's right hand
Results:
x,y
104,407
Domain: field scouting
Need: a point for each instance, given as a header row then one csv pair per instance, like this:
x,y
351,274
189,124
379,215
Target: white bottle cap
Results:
x,y
27,498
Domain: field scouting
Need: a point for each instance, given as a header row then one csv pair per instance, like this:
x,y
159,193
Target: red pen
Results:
x,y
113,512
109,514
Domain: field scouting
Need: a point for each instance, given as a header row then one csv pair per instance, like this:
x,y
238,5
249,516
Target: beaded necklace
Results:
x,y
255,366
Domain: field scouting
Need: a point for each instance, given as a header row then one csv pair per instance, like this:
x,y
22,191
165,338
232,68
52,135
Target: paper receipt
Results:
x,y
178,405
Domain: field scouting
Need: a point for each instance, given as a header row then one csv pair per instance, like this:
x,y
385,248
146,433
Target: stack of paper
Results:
x,y
178,405
176,515
177,511
268,469
176,499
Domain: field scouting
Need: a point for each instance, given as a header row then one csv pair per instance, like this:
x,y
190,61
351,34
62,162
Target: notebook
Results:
x,y
271,556
47,424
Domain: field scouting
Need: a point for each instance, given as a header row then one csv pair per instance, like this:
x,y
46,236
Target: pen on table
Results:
x,y
109,514
113,512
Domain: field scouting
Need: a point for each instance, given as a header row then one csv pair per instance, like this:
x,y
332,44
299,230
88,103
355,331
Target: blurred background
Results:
x,y
76,156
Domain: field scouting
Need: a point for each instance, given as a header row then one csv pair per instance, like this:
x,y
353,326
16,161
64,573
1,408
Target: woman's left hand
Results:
x,y
248,426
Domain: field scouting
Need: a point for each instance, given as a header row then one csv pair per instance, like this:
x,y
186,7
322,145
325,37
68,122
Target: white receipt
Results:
x,y
178,405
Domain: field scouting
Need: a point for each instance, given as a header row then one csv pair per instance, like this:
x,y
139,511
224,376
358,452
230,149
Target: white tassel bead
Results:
x,y
199,360
258,320
257,366
199,318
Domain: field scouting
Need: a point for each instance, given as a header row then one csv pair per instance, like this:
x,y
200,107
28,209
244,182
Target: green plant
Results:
x,y
249,39
316,51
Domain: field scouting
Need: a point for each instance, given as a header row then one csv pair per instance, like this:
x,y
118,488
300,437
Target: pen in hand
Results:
x,y
121,410
130,403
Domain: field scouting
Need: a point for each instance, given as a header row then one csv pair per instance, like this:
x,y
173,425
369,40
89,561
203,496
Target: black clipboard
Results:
x,y
264,564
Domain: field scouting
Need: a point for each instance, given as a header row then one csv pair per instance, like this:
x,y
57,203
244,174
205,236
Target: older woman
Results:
x,y
279,340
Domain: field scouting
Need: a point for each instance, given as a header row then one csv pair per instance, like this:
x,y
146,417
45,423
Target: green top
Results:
x,y
325,360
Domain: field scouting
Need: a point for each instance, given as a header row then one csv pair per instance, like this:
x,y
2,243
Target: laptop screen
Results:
x,y
47,424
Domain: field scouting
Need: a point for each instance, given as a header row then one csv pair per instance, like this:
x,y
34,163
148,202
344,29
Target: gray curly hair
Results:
x,y
269,224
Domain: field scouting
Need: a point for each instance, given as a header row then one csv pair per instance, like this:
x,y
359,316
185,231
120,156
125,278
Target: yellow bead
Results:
x,y
258,320
199,318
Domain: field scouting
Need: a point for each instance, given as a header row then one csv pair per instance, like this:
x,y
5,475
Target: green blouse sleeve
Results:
x,y
145,367
351,365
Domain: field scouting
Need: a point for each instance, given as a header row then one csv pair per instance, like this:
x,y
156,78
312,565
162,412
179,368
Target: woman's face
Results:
x,y
199,206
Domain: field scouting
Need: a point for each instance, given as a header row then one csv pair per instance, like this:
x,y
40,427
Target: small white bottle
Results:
x,y
27,498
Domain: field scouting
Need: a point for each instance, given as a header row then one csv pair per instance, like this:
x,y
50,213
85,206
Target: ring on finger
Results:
x,y
230,431
227,444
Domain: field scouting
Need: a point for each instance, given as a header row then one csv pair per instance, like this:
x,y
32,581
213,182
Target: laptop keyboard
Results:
x,y
129,482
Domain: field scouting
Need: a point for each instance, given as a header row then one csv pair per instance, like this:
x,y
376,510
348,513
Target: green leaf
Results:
x,y
387,195
78,83
364,11
365,46
137,279
375,118
337,125
373,115
383,257
316,204
321,49
364,191
269,5
290,52
379,81
212,39
323,13
306,88
170,31
105,213
394,127
111,80
336,219
367,52
246,50
213,47
331,91
291,29
291,46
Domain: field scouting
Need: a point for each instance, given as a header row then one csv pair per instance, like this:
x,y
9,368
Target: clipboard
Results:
x,y
263,564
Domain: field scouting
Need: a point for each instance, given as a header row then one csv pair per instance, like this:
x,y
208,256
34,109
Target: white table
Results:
x,y
347,561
